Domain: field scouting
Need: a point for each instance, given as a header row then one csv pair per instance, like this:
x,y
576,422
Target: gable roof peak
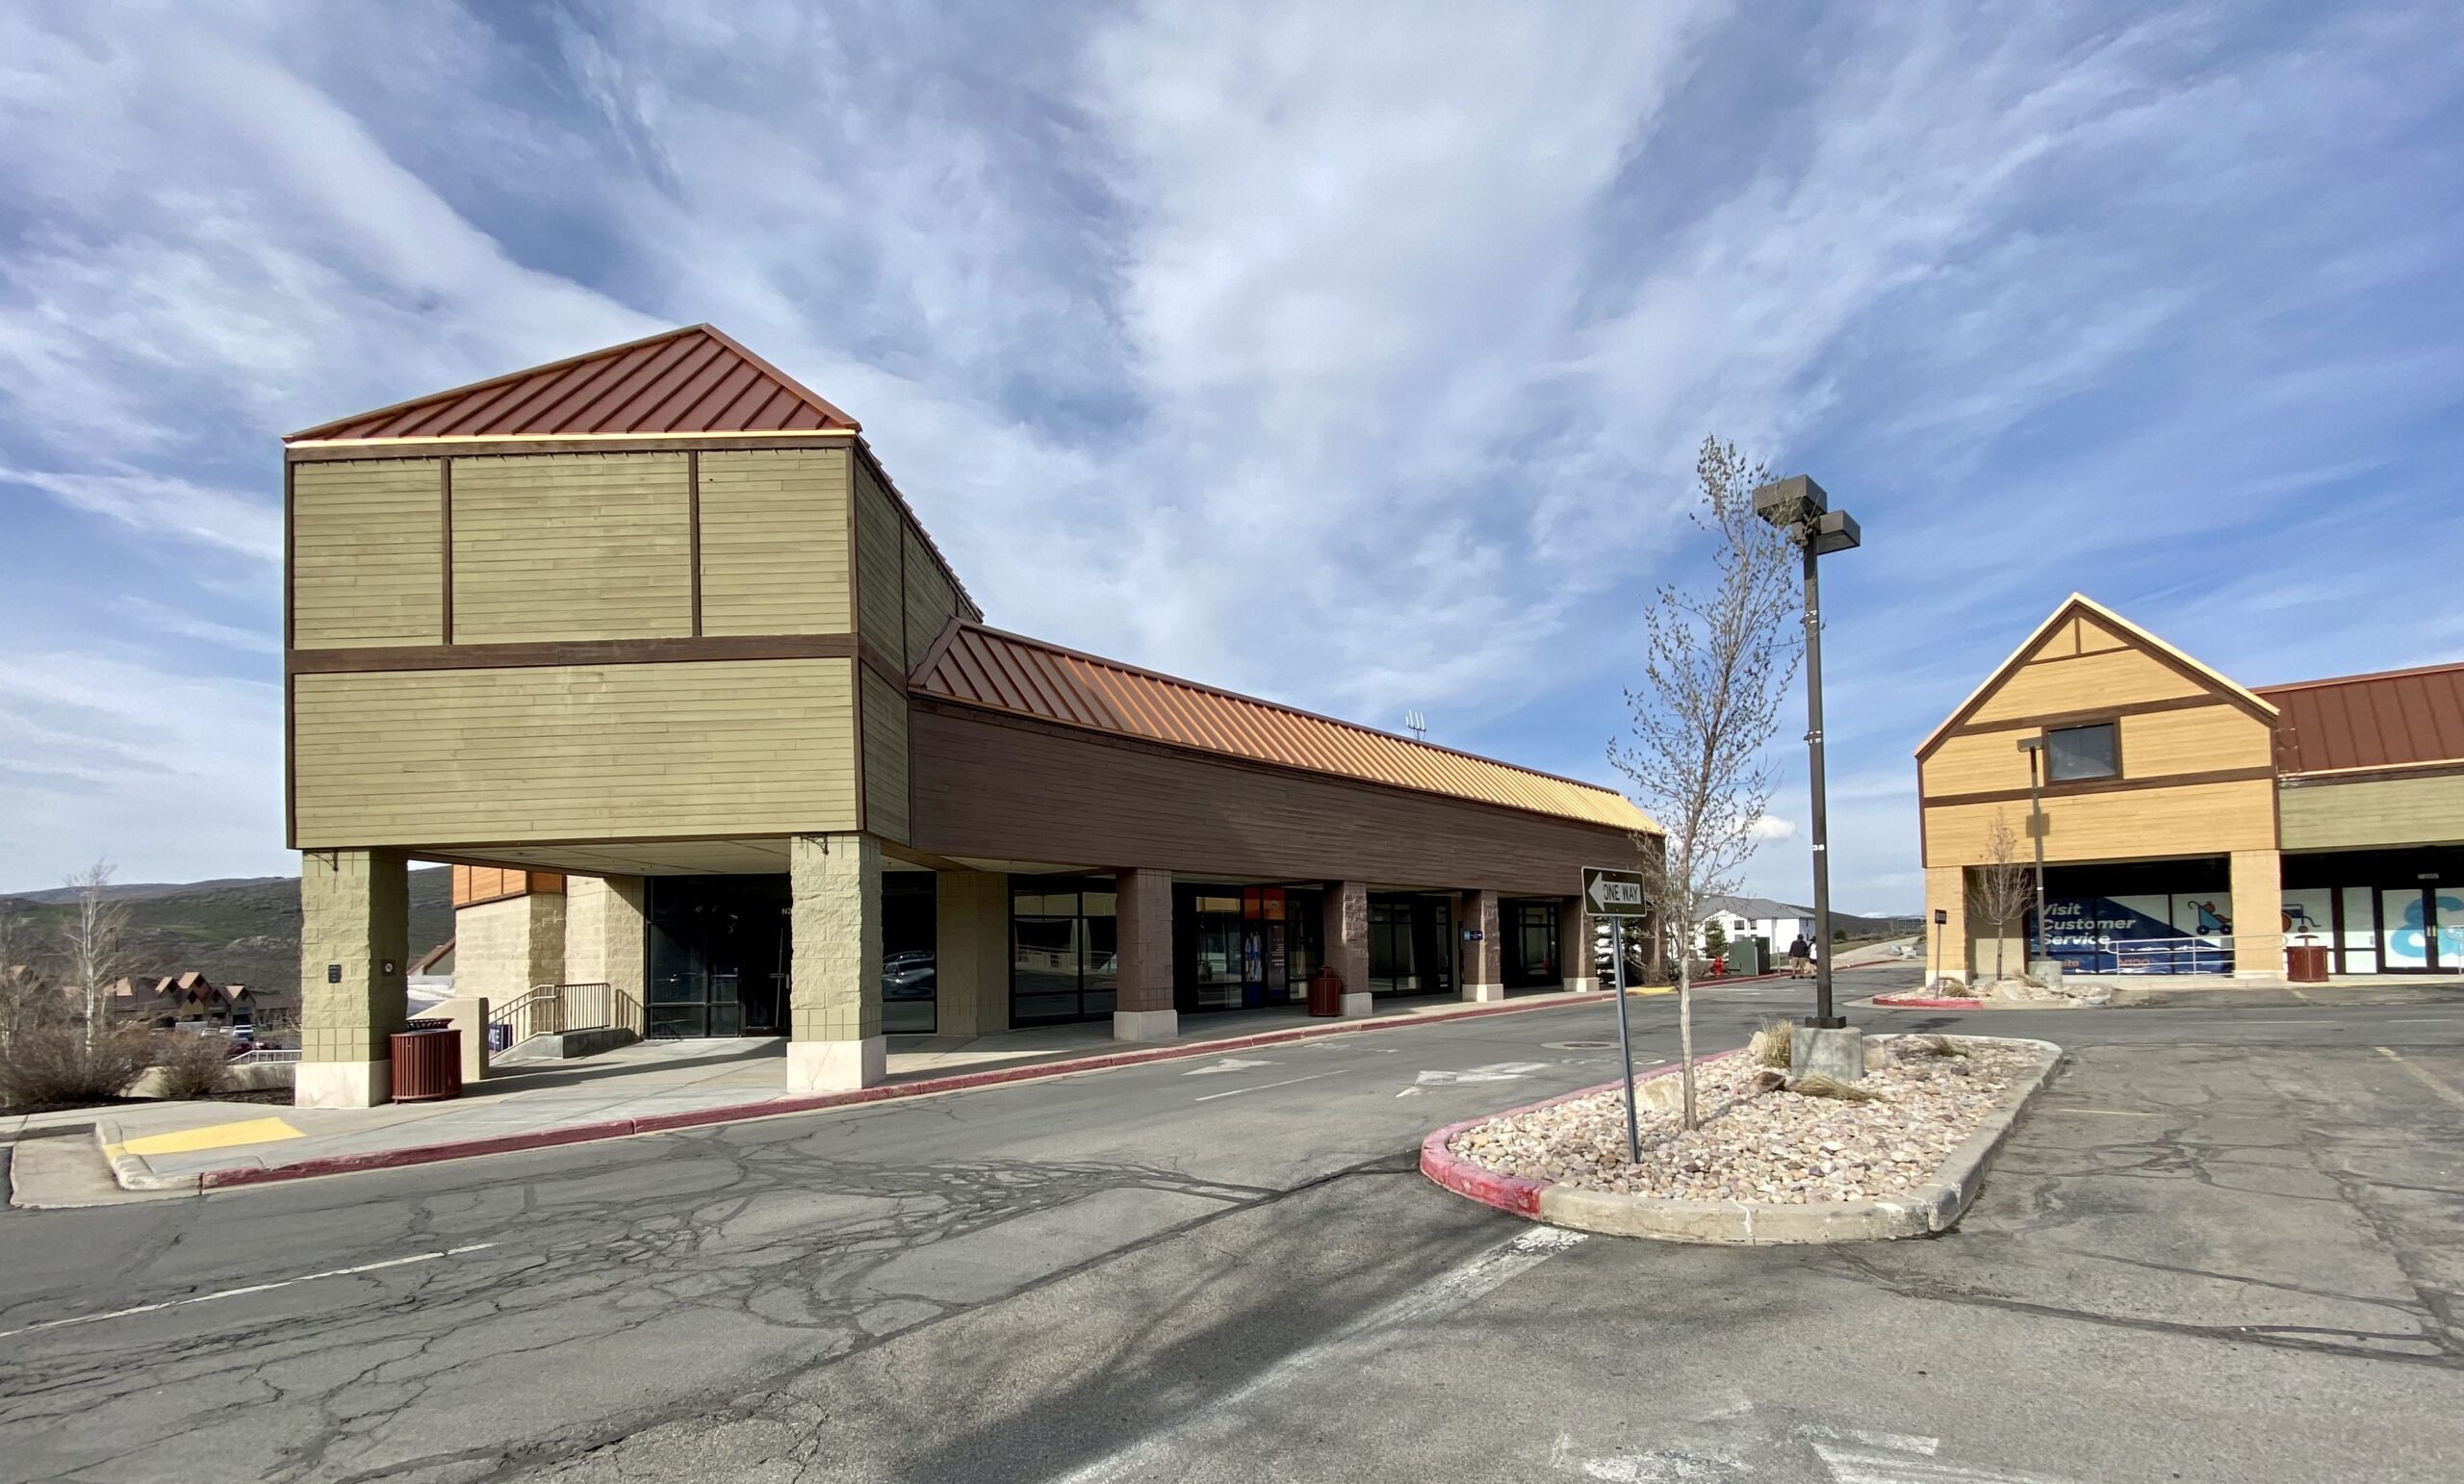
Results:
x,y
692,380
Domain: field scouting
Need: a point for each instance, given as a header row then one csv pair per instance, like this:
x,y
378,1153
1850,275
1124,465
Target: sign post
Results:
x,y
1618,895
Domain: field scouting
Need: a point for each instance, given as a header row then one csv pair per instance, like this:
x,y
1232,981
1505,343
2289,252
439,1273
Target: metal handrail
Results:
x,y
2206,953
550,1010
263,1055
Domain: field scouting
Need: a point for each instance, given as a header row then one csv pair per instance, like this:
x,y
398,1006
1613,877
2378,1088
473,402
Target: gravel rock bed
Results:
x,y
1775,1147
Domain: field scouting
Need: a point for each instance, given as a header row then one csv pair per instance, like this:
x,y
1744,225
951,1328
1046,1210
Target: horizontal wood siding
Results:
x,y
2154,744
774,542
931,601
2192,819
2066,683
368,553
619,753
884,757
994,788
2374,812
880,539
583,546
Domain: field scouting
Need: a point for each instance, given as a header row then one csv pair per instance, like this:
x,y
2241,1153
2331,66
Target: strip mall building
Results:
x,y
2191,824
648,645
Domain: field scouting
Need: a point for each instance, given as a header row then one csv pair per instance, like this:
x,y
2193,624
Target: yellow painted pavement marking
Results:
x,y
2424,1078
213,1135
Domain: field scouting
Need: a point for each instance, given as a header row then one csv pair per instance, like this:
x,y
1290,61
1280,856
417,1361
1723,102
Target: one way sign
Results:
x,y
1613,894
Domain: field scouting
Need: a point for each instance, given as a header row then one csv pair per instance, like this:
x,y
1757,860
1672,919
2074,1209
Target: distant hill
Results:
x,y
132,892
242,930
1876,927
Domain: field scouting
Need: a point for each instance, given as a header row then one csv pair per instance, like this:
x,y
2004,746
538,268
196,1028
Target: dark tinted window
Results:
x,y
2073,752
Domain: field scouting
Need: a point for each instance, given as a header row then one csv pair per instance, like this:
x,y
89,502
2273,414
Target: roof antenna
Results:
x,y
1417,725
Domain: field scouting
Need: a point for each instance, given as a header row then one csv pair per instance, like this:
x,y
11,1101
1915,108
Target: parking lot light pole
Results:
x,y
2034,747
1799,508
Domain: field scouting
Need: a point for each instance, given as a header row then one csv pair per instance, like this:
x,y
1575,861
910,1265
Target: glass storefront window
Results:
x,y
1064,949
717,956
1411,945
911,981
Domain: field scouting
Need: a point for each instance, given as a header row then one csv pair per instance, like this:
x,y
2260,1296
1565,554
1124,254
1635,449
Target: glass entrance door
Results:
x,y
2421,930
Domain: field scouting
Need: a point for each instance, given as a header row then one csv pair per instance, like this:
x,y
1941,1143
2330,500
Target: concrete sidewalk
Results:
x,y
648,1087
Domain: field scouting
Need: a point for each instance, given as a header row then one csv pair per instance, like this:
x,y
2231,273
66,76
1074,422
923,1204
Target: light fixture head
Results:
x,y
1833,530
1791,501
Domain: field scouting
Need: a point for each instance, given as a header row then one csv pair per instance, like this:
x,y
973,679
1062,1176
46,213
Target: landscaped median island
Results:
x,y
1895,1153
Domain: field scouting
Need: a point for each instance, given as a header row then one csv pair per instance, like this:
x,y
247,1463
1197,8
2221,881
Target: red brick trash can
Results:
x,y
427,1062
1326,992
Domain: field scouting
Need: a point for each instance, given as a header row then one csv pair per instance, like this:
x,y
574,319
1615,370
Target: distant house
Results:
x,y
265,1009
1743,917
172,1000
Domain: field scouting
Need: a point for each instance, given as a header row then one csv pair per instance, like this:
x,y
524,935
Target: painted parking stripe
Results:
x,y
253,1288
2424,1078
1263,1086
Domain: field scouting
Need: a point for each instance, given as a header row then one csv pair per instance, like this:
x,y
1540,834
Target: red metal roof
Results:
x,y
690,380
2395,719
1005,672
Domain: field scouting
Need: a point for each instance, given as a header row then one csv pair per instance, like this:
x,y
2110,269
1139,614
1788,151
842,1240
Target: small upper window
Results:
x,y
2075,752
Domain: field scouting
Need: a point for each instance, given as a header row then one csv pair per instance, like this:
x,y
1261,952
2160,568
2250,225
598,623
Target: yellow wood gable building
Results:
x,y
2191,824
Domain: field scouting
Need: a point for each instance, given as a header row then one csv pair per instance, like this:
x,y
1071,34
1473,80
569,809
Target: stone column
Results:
x,y
971,953
1143,1004
1479,978
607,939
507,948
1577,963
354,944
835,924
1946,891
2258,914
1345,914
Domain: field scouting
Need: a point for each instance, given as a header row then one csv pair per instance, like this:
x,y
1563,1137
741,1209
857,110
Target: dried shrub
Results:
x,y
1910,1048
62,1067
1772,1042
1816,1085
192,1066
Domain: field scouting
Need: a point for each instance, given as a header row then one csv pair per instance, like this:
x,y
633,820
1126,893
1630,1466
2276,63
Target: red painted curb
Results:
x,y
1515,1194
1923,1001
742,1112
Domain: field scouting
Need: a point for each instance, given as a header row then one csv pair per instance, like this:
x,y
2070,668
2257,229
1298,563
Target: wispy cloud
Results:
x,y
1312,349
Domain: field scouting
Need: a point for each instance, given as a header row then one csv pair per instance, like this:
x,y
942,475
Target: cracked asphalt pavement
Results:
x,y
2224,1244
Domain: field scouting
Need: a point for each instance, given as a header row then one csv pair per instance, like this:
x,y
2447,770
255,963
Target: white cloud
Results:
x,y
1770,827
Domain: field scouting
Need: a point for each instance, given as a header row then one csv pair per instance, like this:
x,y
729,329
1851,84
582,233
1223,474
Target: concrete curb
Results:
x,y
130,1169
1925,1211
1925,1002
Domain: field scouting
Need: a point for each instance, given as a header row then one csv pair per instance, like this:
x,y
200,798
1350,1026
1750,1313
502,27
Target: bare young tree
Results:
x,y
2001,889
1716,658
93,945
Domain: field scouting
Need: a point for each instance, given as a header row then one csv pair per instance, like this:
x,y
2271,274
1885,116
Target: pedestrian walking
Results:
x,y
1799,957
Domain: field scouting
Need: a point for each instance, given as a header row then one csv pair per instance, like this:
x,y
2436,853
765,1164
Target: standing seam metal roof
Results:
x,y
688,380
985,667
2395,719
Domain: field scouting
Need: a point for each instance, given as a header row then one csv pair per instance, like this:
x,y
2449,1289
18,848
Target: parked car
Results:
x,y
909,976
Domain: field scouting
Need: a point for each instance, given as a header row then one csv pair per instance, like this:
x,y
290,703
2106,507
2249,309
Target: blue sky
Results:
x,y
1349,356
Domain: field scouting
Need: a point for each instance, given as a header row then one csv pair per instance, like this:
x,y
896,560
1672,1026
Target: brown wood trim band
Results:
x,y
593,652
2391,773
2111,713
574,651
693,529
444,549
343,452
2074,790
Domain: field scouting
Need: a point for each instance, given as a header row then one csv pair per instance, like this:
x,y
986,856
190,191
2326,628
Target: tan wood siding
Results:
x,y
2193,819
2374,812
2113,678
2154,744
880,539
624,752
368,553
586,546
990,787
774,542
884,757
931,601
